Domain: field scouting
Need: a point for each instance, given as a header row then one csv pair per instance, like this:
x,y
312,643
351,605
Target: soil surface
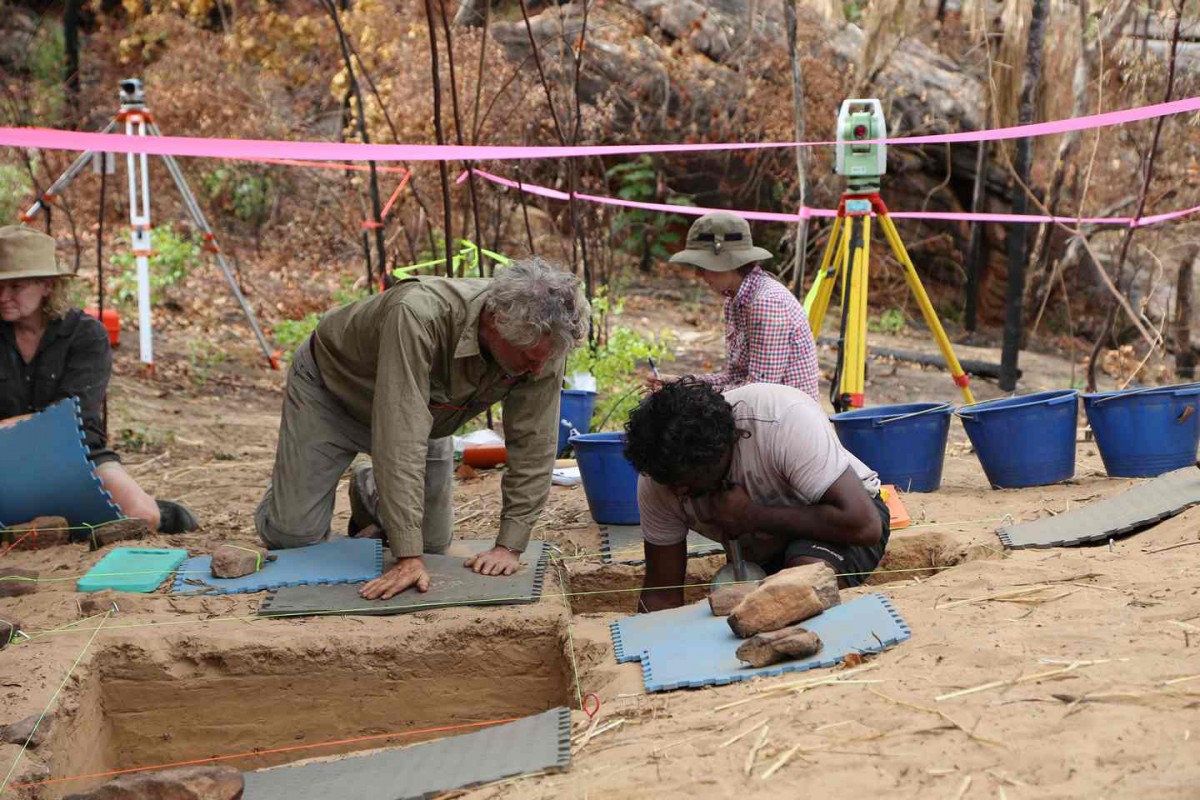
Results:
x,y
1090,666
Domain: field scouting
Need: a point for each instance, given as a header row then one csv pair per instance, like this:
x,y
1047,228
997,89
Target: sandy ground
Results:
x,y
1083,703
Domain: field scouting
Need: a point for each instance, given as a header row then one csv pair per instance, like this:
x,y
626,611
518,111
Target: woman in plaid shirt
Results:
x,y
767,337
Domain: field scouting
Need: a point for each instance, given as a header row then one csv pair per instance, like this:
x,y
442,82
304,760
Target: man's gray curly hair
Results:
x,y
533,298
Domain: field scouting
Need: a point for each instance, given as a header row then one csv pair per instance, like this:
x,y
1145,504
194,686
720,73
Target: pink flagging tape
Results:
x,y
807,212
260,149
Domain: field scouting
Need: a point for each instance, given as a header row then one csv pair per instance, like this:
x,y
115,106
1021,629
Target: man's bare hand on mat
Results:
x,y
407,572
497,561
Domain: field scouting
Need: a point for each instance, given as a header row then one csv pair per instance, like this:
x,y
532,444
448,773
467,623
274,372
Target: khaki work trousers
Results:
x,y
318,440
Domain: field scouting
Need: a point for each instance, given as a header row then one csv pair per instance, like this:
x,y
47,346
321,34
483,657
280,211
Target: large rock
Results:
x,y
724,599
8,629
187,783
39,533
20,732
122,530
766,648
787,597
15,582
235,561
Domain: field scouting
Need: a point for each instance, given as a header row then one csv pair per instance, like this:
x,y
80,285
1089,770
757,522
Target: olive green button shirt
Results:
x,y
407,362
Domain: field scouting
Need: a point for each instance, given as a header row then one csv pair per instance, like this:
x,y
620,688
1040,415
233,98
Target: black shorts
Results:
x,y
853,564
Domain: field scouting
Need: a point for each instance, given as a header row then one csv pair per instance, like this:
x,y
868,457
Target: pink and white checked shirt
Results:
x,y
767,338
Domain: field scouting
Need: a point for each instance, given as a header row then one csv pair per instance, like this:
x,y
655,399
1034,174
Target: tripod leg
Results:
x,y
816,302
961,379
197,215
854,372
139,234
69,174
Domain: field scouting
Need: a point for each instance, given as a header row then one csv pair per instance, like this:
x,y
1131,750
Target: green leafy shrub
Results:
x,y
640,233
244,193
16,193
289,333
890,321
613,360
173,258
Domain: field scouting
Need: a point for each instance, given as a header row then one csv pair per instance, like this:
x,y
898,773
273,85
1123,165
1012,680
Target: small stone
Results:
x,y
186,783
39,533
122,530
8,630
723,599
787,597
229,561
16,582
18,732
767,648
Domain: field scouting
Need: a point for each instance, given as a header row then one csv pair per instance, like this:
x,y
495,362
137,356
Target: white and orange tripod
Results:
x,y
138,121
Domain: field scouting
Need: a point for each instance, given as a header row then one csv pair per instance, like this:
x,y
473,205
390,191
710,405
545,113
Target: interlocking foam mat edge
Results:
x,y
532,744
45,471
700,650
1138,507
451,585
338,560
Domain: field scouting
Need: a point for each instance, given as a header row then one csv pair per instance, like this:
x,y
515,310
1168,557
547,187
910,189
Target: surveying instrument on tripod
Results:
x,y
862,159
138,121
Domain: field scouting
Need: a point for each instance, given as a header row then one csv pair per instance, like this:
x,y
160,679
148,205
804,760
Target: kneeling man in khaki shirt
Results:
x,y
394,375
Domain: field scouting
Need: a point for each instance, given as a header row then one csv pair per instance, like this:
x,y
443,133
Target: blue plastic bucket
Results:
x,y
905,444
1145,432
1028,440
574,414
609,480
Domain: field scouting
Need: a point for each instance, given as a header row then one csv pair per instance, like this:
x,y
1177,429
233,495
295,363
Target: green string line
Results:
x,y
423,606
570,635
258,553
53,698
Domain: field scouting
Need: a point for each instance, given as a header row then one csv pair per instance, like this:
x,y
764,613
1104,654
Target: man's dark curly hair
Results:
x,y
684,426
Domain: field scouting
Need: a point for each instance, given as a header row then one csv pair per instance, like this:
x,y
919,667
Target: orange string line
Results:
x,y
32,532
273,751
289,162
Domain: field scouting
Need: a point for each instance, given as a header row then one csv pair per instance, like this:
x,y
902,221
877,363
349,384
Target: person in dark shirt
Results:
x,y
50,351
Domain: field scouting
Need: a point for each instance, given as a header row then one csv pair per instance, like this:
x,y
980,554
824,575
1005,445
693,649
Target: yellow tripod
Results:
x,y
848,254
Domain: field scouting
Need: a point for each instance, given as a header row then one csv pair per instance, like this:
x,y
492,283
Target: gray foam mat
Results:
x,y
532,744
1151,502
622,544
451,584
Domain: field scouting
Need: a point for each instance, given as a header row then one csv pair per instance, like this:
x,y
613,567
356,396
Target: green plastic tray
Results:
x,y
132,569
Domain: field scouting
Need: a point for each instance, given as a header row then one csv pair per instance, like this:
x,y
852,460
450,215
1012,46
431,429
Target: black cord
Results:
x,y
100,268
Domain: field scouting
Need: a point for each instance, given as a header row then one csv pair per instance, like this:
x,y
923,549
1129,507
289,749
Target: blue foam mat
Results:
x,y
45,471
338,560
689,648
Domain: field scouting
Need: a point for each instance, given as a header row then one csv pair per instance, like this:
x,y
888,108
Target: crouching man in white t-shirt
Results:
x,y
760,463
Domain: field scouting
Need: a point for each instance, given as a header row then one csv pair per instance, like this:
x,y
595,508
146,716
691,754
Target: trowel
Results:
x,y
737,569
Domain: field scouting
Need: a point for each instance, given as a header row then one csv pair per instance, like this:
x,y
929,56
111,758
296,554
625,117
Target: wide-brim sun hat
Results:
x,y
720,242
26,253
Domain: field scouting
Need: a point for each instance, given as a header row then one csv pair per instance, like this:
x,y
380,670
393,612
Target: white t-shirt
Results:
x,y
791,458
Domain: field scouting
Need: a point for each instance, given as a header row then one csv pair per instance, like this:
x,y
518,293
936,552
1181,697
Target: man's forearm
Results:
x,y
821,522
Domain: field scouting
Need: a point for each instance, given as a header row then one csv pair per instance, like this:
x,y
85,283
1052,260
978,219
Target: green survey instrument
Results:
x,y
862,160
860,157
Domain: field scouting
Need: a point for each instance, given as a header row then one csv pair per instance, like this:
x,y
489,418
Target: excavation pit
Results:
x,y
282,689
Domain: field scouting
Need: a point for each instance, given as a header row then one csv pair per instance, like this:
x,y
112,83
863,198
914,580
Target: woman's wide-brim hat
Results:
x,y
26,253
720,242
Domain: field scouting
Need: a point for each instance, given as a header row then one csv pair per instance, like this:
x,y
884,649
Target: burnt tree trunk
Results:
x,y
1185,354
1017,250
